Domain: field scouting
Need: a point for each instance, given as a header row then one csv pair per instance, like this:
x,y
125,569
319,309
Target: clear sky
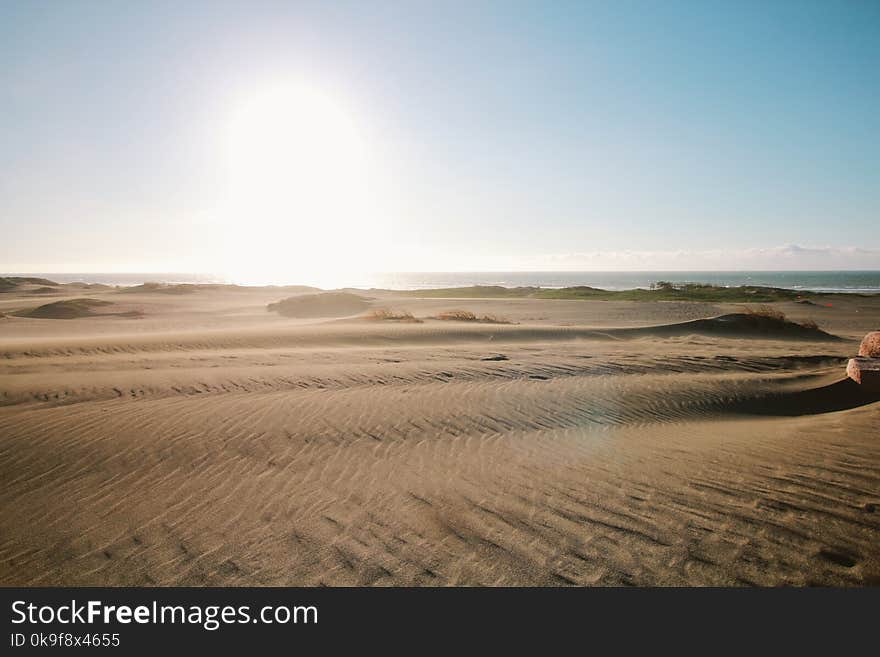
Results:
x,y
234,136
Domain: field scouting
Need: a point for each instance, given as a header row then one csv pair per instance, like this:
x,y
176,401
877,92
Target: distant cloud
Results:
x,y
789,256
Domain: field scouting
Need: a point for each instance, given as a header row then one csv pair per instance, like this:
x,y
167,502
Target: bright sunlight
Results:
x,y
298,191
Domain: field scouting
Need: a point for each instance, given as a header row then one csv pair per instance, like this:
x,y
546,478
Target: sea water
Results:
x,y
820,281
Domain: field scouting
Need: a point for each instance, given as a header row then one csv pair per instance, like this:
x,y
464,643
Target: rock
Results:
x,y
870,345
865,371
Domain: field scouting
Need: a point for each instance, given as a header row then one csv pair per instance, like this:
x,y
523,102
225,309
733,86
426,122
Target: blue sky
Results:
x,y
633,135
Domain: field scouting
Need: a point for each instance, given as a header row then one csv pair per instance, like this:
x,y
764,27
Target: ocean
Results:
x,y
820,281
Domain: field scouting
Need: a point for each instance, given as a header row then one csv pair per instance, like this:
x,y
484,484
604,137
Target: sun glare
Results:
x,y
298,191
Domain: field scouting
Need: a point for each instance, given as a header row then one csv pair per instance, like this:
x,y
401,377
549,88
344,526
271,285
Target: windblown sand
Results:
x,y
198,439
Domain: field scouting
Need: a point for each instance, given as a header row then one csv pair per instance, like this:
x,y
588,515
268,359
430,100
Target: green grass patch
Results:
x,y
659,292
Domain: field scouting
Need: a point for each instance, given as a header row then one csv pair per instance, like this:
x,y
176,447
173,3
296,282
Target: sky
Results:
x,y
280,137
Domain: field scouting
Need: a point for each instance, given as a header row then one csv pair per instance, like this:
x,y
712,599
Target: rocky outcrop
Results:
x,y
865,372
870,346
865,368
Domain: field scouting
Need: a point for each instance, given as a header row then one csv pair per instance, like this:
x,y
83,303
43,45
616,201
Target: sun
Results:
x,y
298,190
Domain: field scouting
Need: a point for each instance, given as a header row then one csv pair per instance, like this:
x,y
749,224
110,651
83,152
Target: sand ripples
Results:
x,y
565,463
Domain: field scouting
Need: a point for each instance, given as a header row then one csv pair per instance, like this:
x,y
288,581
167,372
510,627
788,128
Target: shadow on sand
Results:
x,y
839,396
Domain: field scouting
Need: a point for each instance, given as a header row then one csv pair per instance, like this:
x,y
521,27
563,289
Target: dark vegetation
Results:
x,y
662,291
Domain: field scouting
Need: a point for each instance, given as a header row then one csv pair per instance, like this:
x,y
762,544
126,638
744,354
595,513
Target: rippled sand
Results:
x,y
211,442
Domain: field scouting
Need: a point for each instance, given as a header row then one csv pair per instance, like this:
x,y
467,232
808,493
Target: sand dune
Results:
x,y
67,309
19,283
215,443
76,309
322,304
735,325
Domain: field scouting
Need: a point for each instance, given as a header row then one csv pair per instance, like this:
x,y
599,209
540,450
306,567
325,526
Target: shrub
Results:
x,y
385,314
765,311
494,319
468,316
457,316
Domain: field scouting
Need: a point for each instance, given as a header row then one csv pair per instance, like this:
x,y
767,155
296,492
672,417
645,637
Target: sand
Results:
x,y
194,438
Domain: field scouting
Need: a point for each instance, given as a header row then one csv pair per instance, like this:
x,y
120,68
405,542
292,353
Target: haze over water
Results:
x,y
822,281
